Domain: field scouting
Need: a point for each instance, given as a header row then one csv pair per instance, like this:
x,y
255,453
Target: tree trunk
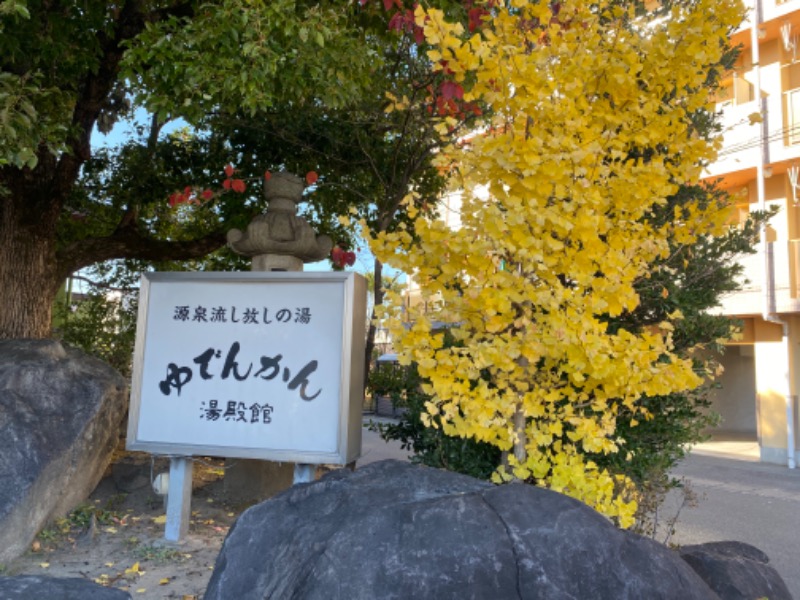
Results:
x,y
28,273
371,332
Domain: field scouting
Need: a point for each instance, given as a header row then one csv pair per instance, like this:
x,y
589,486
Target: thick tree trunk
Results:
x,y
28,274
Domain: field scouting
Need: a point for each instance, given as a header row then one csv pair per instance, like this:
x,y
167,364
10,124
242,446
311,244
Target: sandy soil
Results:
x,y
117,537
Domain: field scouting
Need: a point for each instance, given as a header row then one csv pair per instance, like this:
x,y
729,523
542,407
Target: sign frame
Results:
x,y
350,391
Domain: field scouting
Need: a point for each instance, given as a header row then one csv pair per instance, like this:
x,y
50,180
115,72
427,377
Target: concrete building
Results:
x,y
759,164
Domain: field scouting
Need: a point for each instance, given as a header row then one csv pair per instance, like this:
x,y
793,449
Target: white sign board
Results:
x,y
251,365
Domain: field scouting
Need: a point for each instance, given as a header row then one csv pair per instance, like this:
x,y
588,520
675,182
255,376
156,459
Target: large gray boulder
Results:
x,y
60,415
31,587
736,571
393,530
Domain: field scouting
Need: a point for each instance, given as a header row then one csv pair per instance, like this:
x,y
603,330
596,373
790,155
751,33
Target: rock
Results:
x,y
132,472
60,415
736,571
28,587
393,530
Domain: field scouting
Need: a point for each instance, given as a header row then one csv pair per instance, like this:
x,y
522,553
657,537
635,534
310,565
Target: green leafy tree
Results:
x,y
68,68
101,322
368,156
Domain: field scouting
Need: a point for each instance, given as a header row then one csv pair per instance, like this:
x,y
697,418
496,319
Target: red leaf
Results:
x,y
450,90
207,194
338,257
226,184
311,177
397,22
267,175
229,170
238,185
476,18
187,191
388,4
419,35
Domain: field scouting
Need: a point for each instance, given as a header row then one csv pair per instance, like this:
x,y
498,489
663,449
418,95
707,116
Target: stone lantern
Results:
x,y
276,240
279,240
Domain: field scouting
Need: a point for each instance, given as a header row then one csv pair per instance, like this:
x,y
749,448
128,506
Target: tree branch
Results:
x,y
101,285
97,85
129,243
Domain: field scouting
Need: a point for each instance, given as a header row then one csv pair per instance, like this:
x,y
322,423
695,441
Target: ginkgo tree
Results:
x,y
597,110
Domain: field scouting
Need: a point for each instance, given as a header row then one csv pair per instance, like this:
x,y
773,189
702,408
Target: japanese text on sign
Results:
x,y
252,365
270,366
249,315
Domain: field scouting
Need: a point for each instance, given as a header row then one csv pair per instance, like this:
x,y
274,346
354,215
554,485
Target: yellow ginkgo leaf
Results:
x,y
564,234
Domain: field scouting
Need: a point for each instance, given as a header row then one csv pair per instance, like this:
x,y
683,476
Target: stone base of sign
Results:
x,y
248,481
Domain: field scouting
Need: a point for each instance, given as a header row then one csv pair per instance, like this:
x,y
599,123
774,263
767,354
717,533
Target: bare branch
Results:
x,y
101,285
